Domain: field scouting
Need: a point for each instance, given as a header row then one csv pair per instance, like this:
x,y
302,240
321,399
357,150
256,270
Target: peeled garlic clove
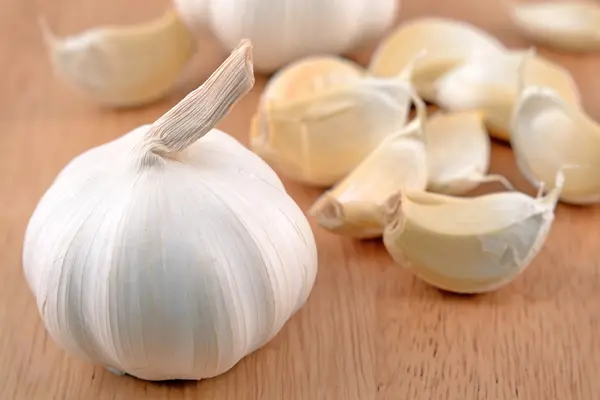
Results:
x,y
355,206
549,134
572,25
491,85
123,66
315,125
469,245
447,43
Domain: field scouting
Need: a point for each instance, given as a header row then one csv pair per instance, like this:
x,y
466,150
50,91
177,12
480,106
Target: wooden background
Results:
x,y
369,329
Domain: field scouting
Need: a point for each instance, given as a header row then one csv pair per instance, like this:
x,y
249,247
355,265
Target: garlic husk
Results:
x,y
469,245
458,153
319,134
566,25
356,205
447,42
288,30
491,85
548,135
173,251
122,66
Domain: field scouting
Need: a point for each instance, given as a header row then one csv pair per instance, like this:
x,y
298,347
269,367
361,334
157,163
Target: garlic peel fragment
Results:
x,y
122,66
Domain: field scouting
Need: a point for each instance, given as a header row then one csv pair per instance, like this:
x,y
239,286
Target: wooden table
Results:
x,y
369,329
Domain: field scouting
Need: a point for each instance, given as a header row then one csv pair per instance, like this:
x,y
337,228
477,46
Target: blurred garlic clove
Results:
x,y
458,153
491,85
318,120
122,66
356,205
571,26
549,134
447,42
469,245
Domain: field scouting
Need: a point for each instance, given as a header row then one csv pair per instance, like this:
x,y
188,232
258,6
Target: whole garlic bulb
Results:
x,y
173,251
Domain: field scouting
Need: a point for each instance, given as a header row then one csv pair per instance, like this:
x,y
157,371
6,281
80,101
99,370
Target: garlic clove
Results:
x,y
458,152
318,125
447,42
491,85
573,25
549,134
469,245
122,66
355,206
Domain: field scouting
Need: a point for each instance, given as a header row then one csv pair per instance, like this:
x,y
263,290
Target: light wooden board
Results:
x,y
369,330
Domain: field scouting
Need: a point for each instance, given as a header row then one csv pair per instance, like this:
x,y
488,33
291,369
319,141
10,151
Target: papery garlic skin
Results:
x,y
169,258
566,25
123,66
549,135
469,245
447,43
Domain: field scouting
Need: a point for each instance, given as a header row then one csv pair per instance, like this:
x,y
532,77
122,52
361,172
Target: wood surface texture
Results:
x,y
370,330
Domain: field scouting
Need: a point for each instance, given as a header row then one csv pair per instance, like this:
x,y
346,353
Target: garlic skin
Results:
x,y
548,135
458,153
447,43
355,206
173,251
122,66
492,84
565,25
469,245
319,118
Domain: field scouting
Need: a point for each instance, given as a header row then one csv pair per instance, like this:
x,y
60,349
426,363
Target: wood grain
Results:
x,y
369,330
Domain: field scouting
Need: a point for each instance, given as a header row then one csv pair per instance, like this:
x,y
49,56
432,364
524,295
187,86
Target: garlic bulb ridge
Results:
x,y
173,251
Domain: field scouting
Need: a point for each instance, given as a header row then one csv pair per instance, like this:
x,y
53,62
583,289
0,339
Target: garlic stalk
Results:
x,y
567,25
122,66
320,117
173,251
355,206
491,85
458,153
448,43
549,134
469,245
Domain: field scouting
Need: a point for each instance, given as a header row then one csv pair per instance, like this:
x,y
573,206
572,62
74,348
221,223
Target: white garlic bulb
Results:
x,y
173,251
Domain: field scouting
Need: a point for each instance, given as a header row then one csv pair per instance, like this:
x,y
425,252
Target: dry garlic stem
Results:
x,y
122,66
356,205
492,84
320,117
549,134
469,245
458,153
567,25
447,42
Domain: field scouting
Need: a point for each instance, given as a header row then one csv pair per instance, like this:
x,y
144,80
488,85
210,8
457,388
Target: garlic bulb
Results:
x,y
567,25
458,153
447,43
320,117
491,85
173,251
122,66
549,134
356,205
469,245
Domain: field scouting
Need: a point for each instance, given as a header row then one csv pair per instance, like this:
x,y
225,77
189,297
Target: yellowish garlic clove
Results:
x,y
356,205
458,153
320,117
122,66
567,25
492,84
469,245
447,42
549,134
